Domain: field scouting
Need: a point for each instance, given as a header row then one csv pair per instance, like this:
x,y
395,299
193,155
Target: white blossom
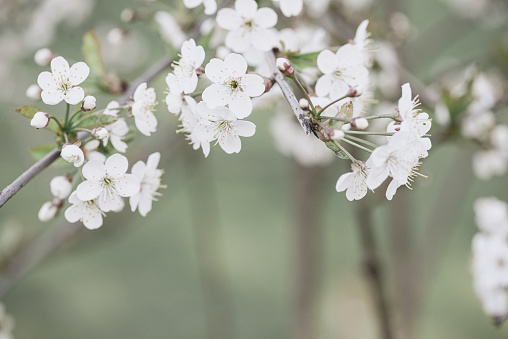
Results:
x,y
169,29
143,109
60,187
210,5
88,212
190,119
43,57
290,7
150,181
33,92
355,182
48,211
342,71
89,103
40,120
61,83
99,133
489,163
491,216
112,109
184,78
73,154
248,25
222,125
107,182
231,85
116,134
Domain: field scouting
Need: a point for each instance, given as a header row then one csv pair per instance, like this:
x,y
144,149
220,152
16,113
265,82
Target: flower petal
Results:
x,y
216,95
52,97
244,128
236,64
116,165
229,19
89,190
246,8
60,67
230,143
240,105
92,218
238,40
265,17
78,73
74,95
253,85
127,185
94,170
327,62
74,213
344,182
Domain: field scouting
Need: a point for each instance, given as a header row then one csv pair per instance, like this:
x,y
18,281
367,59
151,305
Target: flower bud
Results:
x,y
40,120
33,92
128,15
354,92
47,211
73,154
117,35
268,84
304,104
336,134
360,123
43,57
100,133
60,187
89,103
285,67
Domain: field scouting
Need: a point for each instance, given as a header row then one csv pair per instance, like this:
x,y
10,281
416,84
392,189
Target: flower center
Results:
x,y
65,85
233,84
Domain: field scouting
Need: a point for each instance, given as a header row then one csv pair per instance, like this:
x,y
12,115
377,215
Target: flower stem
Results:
x,y
302,89
58,123
362,141
333,118
67,115
353,159
357,145
369,133
330,104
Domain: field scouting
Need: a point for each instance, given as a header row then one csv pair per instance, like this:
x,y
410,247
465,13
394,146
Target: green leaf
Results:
x,y
38,152
96,120
91,50
310,57
29,112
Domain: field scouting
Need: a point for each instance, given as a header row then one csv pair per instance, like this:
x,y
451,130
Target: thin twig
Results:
x,y
288,93
9,191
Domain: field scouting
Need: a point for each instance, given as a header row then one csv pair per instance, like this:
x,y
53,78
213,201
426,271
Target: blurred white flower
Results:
x,y
62,83
190,119
248,25
491,216
143,108
489,163
33,92
60,187
169,29
43,57
48,211
210,5
150,181
290,7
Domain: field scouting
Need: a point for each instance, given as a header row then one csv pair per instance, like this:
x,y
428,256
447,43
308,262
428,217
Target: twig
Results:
x,y
288,93
9,191
372,267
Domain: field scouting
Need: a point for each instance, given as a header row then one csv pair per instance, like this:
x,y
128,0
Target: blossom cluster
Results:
x,y
106,182
490,257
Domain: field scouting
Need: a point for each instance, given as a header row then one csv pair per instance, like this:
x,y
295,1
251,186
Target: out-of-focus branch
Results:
x,y
288,94
372,266
13,188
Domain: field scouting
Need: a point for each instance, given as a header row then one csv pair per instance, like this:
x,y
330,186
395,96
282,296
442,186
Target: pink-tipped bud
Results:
x,y
268,84
304,104
360,123
336,134
354,92
44,56
40,120
100,133
89,103
33,92
285,67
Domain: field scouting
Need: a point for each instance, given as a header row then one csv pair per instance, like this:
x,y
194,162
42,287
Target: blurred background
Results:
x,y
254,244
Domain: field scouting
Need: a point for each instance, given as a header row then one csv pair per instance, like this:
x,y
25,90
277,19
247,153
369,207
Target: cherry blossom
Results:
x,y
290,7
231,85
210,5
116,134
60,187
222,125
248,25
143,108
342,71
190,119
184,79
108,182
355,182
73,154
61,83
88,212
150,181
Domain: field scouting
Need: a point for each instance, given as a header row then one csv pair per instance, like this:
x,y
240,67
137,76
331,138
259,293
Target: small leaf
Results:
x,y
96,120
91,50
38,152
311,57
29,112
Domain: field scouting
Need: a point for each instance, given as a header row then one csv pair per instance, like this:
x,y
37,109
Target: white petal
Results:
x,y
376,177
246,8
116,165
60,67
244,128
93,170
127,185
145,205
263,39
88,190
146,123
216,95
345,181
236,64
52,97
139,170
238,40
229,19
327,62
210,6
230,143
241,105
253,85
323,85
74,213
216,71
265,17
134,201
78,73
109,202
153,160
92,218
47,82
392,189
74,95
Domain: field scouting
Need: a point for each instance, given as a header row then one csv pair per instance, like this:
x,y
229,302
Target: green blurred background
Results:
x,y
216,257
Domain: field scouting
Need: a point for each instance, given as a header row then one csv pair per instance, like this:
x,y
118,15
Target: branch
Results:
x,y
9,191
288,93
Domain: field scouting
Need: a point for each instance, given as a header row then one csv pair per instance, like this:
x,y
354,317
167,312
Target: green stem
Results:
x,y
382,116
333,118
357,145
58,123
74,115
302,89
346,152
331,103
365,142
67,115
369,133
